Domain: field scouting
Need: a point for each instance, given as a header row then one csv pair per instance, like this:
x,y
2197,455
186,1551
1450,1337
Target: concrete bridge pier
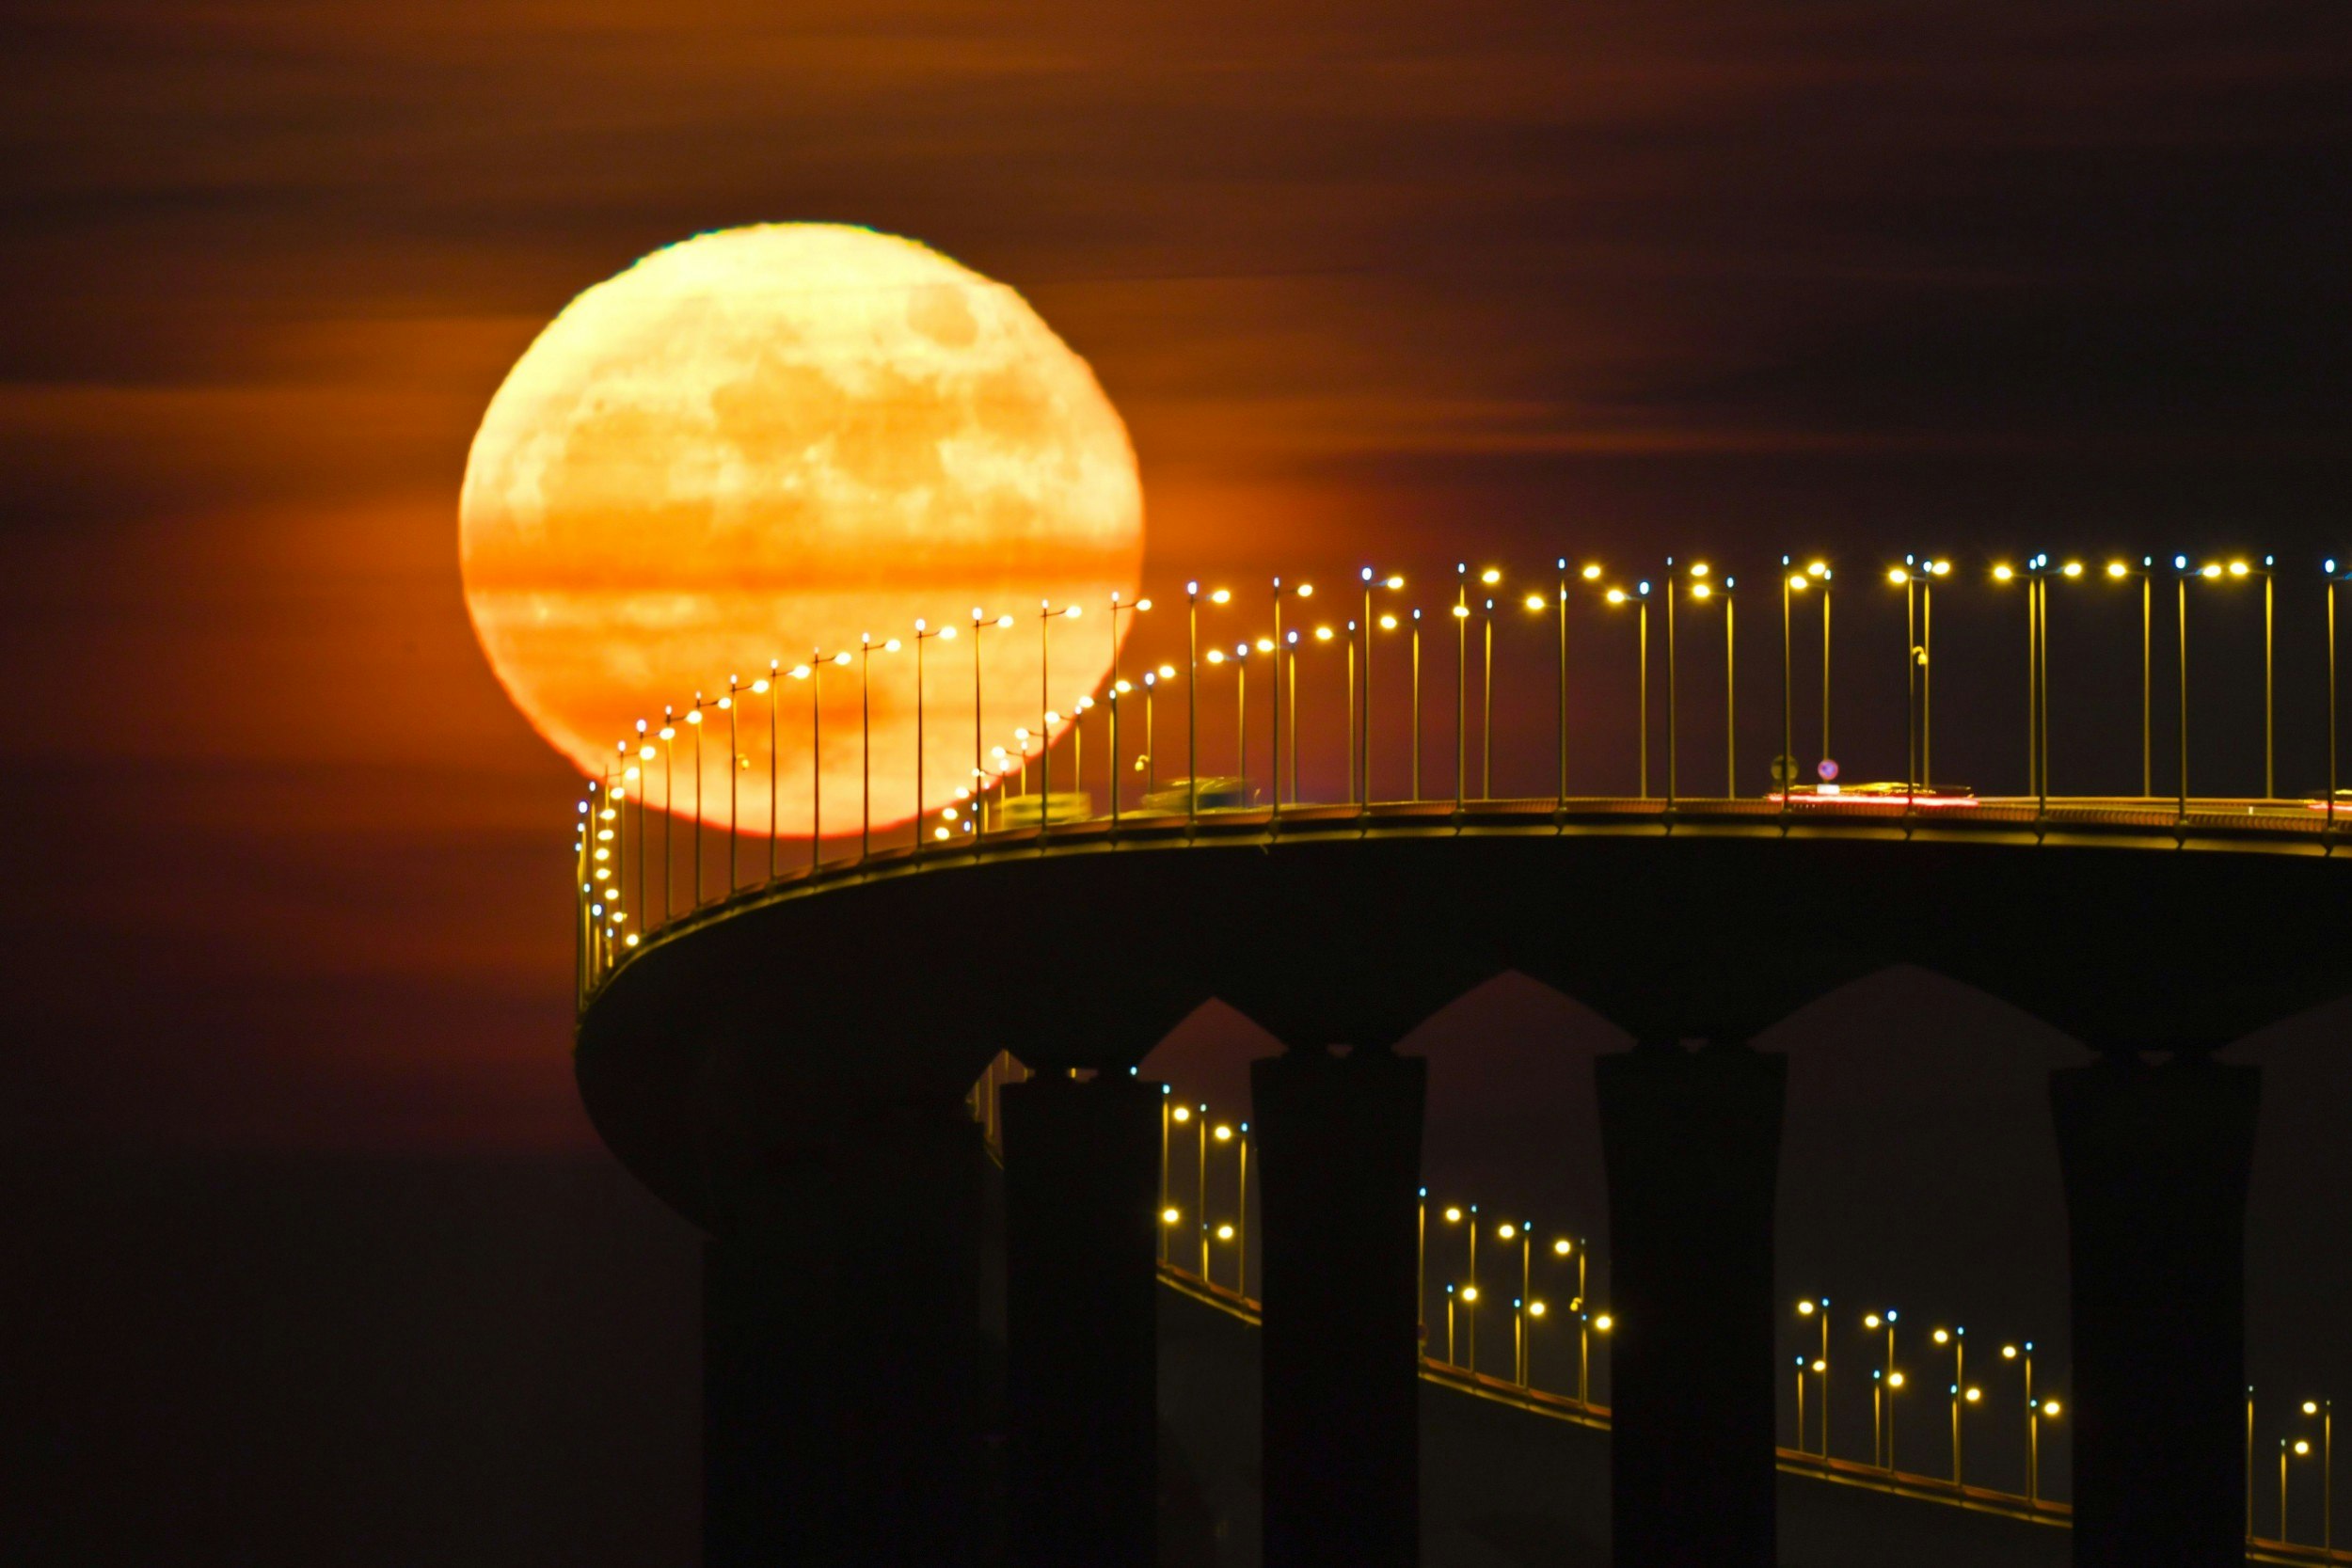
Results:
x,y
2156,1159
1338,1142
1691,1143
1081,1312
842,1345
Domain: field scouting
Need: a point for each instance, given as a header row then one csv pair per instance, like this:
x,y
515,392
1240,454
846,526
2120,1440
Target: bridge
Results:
x,y
785,1059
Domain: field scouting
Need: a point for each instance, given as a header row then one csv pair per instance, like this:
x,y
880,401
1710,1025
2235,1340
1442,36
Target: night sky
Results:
x,y
287,921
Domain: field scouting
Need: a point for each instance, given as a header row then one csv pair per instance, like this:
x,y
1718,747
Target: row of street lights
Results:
x,y
621,918
1211,1135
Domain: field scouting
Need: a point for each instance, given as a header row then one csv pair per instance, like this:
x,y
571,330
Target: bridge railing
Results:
x,y
647,835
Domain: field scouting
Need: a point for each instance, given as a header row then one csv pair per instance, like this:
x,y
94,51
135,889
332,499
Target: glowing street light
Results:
x,y
924,633
866,650
1639,598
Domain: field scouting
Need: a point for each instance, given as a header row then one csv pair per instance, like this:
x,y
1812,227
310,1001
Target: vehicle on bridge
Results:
x,y
1031,811
1212,792
1895,794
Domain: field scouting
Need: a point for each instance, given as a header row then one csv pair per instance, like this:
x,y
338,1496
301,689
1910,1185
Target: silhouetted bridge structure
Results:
x,y
786,1063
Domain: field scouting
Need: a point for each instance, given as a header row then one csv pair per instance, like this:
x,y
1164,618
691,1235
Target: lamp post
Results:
x,y
1886,1379
2181,573
1461,677
1819,1309
2033,1448
1169,1216
1639,598
1118,689
1957,1339
1702,590
1587,1326
669,810
1046,615
923,634
866,741
2031,575
2024,1357
813,673
1363,757
694,720
1200,1199
1821,573
2121,571
1223,1133
735,760
1489,578
2328,825
644,757
2301,1448
1453,1216
1790,582
981,622
2325,1411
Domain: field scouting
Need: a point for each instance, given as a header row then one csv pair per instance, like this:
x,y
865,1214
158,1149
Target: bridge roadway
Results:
x,y
785,1068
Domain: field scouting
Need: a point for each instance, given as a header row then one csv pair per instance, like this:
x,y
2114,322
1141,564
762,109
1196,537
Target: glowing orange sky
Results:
x,y
1366,277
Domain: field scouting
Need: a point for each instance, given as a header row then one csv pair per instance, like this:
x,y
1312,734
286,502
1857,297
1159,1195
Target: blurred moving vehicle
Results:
x,y
1216,792
1031,811
1896,794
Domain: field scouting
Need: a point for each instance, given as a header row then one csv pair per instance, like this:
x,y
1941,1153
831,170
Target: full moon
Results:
x,y
766,445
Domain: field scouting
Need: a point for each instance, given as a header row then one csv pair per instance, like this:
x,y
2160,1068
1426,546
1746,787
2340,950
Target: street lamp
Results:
x,y
2301,1448
2033,1476
2181,574
1282,655
865,739
1639,598
1916,578
1702,590
924,634
1461,677
668,735
981,624
735,766
1388,622
813,673
2120,571
2334,576
2237,571
1820,572
1883,1440
1170,1113
1489,578
1820,1311
1961,1399
2035,1415
694,719
1046,614
1957,1339
2037,680
2325,1411
1360,765
1118,688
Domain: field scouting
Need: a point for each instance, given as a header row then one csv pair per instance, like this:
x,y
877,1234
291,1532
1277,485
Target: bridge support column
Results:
x,y
842,1345
1082,1316
1338,1143
1691,1143
2156,1162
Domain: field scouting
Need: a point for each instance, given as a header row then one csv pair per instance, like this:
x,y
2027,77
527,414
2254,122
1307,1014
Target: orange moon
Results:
x,y
766,443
